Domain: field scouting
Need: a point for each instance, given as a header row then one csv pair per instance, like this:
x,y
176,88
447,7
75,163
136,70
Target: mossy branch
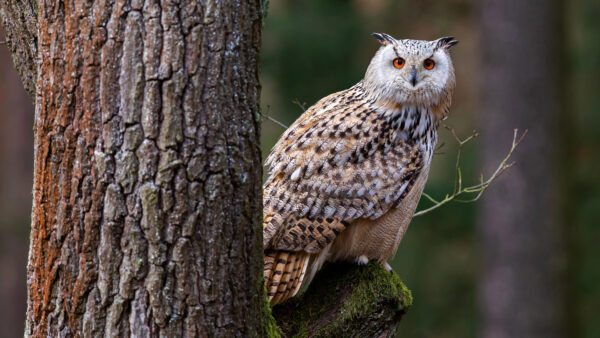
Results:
x,y
346,300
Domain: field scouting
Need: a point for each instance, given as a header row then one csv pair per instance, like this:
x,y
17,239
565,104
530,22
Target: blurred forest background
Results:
x,y
447,258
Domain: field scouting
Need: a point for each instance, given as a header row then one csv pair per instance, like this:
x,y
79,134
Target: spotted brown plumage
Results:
x,y
352,167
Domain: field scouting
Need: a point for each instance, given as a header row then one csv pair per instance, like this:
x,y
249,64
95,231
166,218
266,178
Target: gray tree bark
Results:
x,y
522,289
146,164
19,18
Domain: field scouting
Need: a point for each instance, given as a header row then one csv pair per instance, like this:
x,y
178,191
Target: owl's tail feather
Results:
x,y
284,272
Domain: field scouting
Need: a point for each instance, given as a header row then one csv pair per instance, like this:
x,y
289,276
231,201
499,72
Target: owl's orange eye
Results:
x,y
428,64
398,63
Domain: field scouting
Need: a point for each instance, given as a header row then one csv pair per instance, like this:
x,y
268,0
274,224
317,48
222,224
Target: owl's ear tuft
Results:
x,y
383,38
446,42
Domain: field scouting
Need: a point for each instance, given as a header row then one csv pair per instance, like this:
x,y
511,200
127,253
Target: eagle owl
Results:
x,y
345,178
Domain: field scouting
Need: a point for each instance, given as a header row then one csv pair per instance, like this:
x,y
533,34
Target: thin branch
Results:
x,y
437,149
461,143
477,189
302,105
277,122
267,116
426,195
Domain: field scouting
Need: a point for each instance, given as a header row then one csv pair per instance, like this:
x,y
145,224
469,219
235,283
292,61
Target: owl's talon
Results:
x,y
362,260
387,266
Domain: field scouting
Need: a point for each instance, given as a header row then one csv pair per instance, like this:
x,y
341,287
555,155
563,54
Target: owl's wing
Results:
x,y
340,161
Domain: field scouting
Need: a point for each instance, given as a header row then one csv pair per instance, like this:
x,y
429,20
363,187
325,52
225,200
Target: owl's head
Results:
x,y
412,71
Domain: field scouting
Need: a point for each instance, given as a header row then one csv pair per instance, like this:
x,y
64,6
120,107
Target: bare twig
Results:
x,y
437,150
475,190
302,105
267,116
276,122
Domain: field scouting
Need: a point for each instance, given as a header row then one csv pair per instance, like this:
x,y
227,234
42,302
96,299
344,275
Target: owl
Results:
x,y
344,180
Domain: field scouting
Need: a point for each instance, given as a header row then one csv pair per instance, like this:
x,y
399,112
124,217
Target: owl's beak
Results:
x,y
413,76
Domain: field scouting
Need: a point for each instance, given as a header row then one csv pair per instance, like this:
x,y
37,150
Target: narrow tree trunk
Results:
x,y
19,18
146,164
522,239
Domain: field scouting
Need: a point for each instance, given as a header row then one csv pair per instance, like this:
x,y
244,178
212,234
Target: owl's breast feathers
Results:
x,y
346,158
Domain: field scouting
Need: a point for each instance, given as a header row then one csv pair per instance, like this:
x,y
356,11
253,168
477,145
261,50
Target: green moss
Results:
x,y
379,284
272,331
345,299
271,328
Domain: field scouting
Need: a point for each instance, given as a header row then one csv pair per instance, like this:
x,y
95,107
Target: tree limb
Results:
x,y
346,300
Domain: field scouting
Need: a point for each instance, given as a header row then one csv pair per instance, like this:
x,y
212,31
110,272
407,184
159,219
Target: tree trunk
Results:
x,y
146,164
522,290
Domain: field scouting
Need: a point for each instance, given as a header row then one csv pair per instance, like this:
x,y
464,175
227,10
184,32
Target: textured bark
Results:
x,y
346,300
19,18
522,290
147,167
